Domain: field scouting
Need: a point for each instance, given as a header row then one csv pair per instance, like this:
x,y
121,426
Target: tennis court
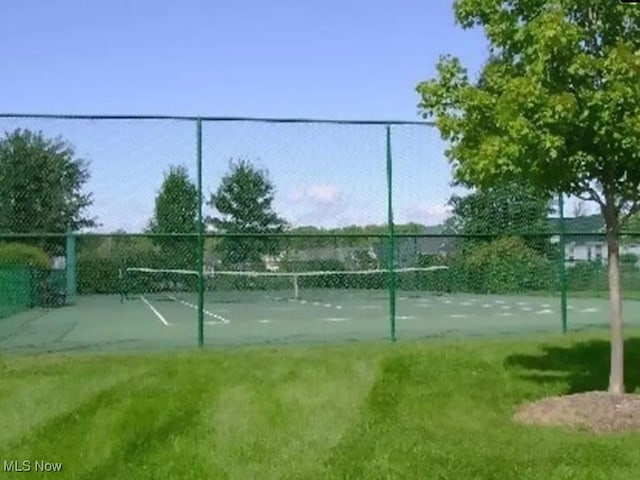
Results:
x,y
105,323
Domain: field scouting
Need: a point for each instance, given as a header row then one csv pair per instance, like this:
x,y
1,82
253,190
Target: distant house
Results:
x,y
595,250
585,242
408,250
590,245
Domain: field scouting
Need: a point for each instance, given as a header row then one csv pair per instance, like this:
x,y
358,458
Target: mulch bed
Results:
x,y
598,412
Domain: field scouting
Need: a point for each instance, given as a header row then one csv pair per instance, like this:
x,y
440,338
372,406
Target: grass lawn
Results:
x,y
429,410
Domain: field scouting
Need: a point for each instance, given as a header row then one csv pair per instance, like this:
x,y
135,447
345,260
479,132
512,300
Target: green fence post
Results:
x,y
70,268
563,266
392,249
200,252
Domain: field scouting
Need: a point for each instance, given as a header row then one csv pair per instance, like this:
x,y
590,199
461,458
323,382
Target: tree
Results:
x,y
557,105
176,211
349,236
42,185
507,209
244,201
506,265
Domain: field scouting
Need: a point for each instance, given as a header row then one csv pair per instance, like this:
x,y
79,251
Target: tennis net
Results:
x,y
251,287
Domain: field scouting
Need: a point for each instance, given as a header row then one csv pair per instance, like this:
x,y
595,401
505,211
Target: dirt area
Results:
x,y
598,412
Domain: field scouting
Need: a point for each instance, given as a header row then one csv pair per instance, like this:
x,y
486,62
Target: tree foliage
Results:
x,y
20,254
351,235
506,265
507,209
176,206
176,211
42,185
557,105
244,204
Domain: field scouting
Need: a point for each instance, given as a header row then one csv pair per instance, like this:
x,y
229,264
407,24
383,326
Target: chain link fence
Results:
x,y
122,232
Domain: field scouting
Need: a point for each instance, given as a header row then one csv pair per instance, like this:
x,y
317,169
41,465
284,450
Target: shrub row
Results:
x,y
503,266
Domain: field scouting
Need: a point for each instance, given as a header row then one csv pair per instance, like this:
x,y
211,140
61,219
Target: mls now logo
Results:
x,y
16,466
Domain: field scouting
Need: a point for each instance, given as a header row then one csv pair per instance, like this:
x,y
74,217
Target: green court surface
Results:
x,y
104,323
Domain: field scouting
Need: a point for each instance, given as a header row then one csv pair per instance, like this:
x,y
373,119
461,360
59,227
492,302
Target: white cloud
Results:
x,y
317,204
318,194
123,219
427,212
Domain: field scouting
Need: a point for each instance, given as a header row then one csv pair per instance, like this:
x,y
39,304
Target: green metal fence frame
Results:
x,y
201,235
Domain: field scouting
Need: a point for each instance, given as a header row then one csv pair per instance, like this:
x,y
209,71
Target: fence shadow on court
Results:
x,y
583,365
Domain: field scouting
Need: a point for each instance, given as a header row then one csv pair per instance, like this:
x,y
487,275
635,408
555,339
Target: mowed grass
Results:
x,y
428,410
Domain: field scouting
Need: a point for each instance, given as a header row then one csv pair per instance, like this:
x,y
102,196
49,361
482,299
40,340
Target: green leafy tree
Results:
x,y
42,185
176,211
346,236
507,209
506,265
101,261
244,202
557,105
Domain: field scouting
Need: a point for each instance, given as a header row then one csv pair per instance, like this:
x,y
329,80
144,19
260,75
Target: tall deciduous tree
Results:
x,y
244,203
507,209
176,211
557,105
42,185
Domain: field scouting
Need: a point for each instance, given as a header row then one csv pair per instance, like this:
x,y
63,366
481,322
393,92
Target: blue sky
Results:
x,y
334,59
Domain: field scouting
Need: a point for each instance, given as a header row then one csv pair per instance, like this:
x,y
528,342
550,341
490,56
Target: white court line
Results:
x,y
316,304
157,313
206,312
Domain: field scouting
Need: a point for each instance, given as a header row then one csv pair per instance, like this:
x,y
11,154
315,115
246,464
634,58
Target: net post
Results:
x,y
296,290
200,248
70,268
563,265
121,285
392,250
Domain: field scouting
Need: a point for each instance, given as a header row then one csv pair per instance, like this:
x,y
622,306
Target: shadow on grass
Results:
x,y
583,365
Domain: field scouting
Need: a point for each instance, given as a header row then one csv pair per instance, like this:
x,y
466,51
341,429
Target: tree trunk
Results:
x,y
616,375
